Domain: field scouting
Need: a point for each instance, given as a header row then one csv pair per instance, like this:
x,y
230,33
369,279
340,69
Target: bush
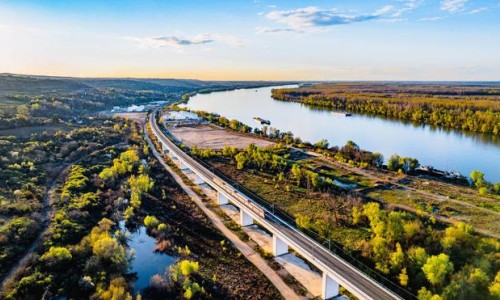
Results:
x,y
151,222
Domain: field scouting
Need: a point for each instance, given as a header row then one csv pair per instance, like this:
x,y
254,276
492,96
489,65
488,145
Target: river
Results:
x,y
444,149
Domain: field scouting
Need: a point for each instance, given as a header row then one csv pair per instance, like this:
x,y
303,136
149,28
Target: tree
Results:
x,y
424,294
437,267
418,256
296,174
188,267
23,110
56,255
357,215
322,144
372,212
408,164
377,159
394,228
117,290
403,277
109,250
397,258
393,162
241,160
494,288
477,178
151,222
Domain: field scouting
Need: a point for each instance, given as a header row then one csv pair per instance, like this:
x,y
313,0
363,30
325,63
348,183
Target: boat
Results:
x,y
262,121
342,114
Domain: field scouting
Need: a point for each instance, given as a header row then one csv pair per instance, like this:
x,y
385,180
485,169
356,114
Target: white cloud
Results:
x,y
313,17
408,6
437,18
384,10
180,42
453,6
477,10
261,30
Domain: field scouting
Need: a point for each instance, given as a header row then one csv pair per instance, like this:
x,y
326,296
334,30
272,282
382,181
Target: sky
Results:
x,y
253,39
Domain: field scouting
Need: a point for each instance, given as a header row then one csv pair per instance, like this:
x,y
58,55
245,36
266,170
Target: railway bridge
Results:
x,y
336,271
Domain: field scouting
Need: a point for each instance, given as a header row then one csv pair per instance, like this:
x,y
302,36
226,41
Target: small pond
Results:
x,y
146,262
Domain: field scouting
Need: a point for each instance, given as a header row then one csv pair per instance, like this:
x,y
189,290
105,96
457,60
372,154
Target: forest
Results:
x,y
474,108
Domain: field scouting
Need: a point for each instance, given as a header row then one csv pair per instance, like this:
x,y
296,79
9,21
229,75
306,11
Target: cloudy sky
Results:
x,y
254,39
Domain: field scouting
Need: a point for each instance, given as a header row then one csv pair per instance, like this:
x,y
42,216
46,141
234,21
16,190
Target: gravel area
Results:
x,y
215,138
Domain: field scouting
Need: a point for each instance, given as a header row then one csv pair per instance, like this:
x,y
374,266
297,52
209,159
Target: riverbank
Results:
x,y
443,149
449,200
342,216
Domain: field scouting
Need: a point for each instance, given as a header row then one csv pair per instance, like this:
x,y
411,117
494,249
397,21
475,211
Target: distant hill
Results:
x,y
20,89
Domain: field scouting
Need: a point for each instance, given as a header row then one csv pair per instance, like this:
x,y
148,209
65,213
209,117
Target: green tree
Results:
x,y
393,162
437,267
296,174
151,222
322,144
241,160
403,277
117,290
189,267
56,255
494,287
424,294
477,178
397,258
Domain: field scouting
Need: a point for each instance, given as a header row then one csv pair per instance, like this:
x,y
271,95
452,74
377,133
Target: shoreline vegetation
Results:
x,y
474,108
431,259
350,153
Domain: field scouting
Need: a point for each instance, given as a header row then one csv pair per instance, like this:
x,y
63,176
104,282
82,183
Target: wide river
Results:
x,y
443,149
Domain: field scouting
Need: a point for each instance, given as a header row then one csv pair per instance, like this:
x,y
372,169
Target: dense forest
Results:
x,y
473,108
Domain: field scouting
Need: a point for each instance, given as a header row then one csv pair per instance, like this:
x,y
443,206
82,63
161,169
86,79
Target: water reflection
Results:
x,y
146,262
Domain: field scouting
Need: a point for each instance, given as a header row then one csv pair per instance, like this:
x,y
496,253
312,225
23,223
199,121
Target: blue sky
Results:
x,y
255,39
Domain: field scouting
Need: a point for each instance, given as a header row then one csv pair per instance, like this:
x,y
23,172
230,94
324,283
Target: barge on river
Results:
x,y
261,121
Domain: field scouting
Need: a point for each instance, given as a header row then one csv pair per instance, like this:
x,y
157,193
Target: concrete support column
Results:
x,y
222,199
330,287
279,246
198,179
182,165
245,219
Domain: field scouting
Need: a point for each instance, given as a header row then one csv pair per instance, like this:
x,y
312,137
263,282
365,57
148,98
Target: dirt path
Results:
x,y
44,225
248,252
46,217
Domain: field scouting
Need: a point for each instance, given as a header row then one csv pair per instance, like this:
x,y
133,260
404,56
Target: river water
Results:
x,y
146,261
441,148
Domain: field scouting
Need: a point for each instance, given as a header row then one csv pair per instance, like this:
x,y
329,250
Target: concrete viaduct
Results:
x,y
336,271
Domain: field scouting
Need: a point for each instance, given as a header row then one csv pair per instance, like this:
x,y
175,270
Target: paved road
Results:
x,y
248,252
351,278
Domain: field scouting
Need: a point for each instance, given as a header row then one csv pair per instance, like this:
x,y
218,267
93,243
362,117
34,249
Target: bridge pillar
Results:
x,y
279,246
245,219
330,287
198,179
182,165
222,199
